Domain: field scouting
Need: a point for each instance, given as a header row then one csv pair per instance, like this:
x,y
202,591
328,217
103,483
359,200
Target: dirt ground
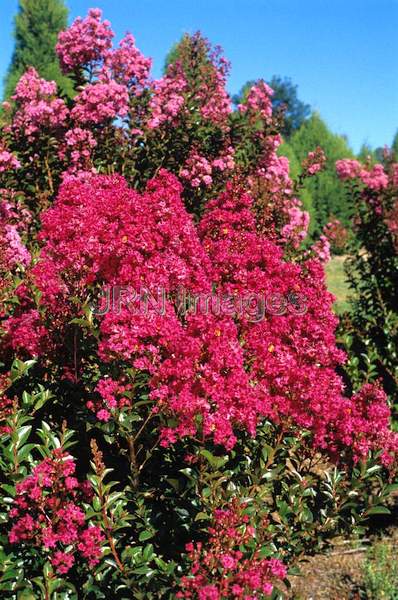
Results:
x,y
330,577
338,574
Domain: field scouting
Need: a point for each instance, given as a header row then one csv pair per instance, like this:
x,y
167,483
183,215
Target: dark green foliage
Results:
x,y
372,270
293,500
37,25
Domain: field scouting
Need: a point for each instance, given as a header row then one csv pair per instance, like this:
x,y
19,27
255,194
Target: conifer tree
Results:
x,y
36,29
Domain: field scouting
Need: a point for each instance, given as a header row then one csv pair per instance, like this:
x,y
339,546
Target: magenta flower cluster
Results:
x,y
47,512
230,374
224,560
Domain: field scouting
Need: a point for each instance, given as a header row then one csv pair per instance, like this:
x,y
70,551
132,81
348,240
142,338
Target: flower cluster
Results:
x,y
100,102
224,567
348,168
85,43
293,354
258,102
375,178
214,99
314,162
321,248
298,220
8,162
47,513
77,149
167,100
12,250
112,397
127,65
25,333
37,107
197,170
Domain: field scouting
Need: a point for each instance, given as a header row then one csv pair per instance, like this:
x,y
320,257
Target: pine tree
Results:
x,y
37,25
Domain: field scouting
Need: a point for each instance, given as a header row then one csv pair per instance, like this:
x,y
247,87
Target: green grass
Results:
x,y
381,572
337,283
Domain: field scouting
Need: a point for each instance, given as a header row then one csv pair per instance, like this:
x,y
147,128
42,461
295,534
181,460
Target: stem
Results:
x,y
75,354
49,175
108,529
133,461
99,470
137,435
148,457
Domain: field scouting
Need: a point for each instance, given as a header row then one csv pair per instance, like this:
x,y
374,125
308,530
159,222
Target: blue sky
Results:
x,y
343,54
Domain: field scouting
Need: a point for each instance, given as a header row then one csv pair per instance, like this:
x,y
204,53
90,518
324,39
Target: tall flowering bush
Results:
x,y
372,266
162,321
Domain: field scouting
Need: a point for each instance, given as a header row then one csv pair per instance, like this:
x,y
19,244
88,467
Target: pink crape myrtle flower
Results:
x,y
85,43
348,168
167,101
258,101
37,106
127,65
100,102
8,161
47,512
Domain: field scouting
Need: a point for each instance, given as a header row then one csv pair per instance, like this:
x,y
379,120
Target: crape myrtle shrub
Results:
x,y
186,451
372,268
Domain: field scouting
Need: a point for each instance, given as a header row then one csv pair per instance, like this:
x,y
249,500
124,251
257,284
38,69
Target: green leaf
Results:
x,y
145,535
378,510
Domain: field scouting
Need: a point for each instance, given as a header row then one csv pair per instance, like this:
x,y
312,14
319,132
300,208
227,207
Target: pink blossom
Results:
x,y
85,43
8,162
375,178
77,149
127,65
197,170
37,107
314,162
46,513
101,102
321,249
62,562
167,101
348,168
258,102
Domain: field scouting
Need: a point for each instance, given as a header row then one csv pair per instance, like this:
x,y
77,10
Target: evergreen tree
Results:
x,y
328,196
37,25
